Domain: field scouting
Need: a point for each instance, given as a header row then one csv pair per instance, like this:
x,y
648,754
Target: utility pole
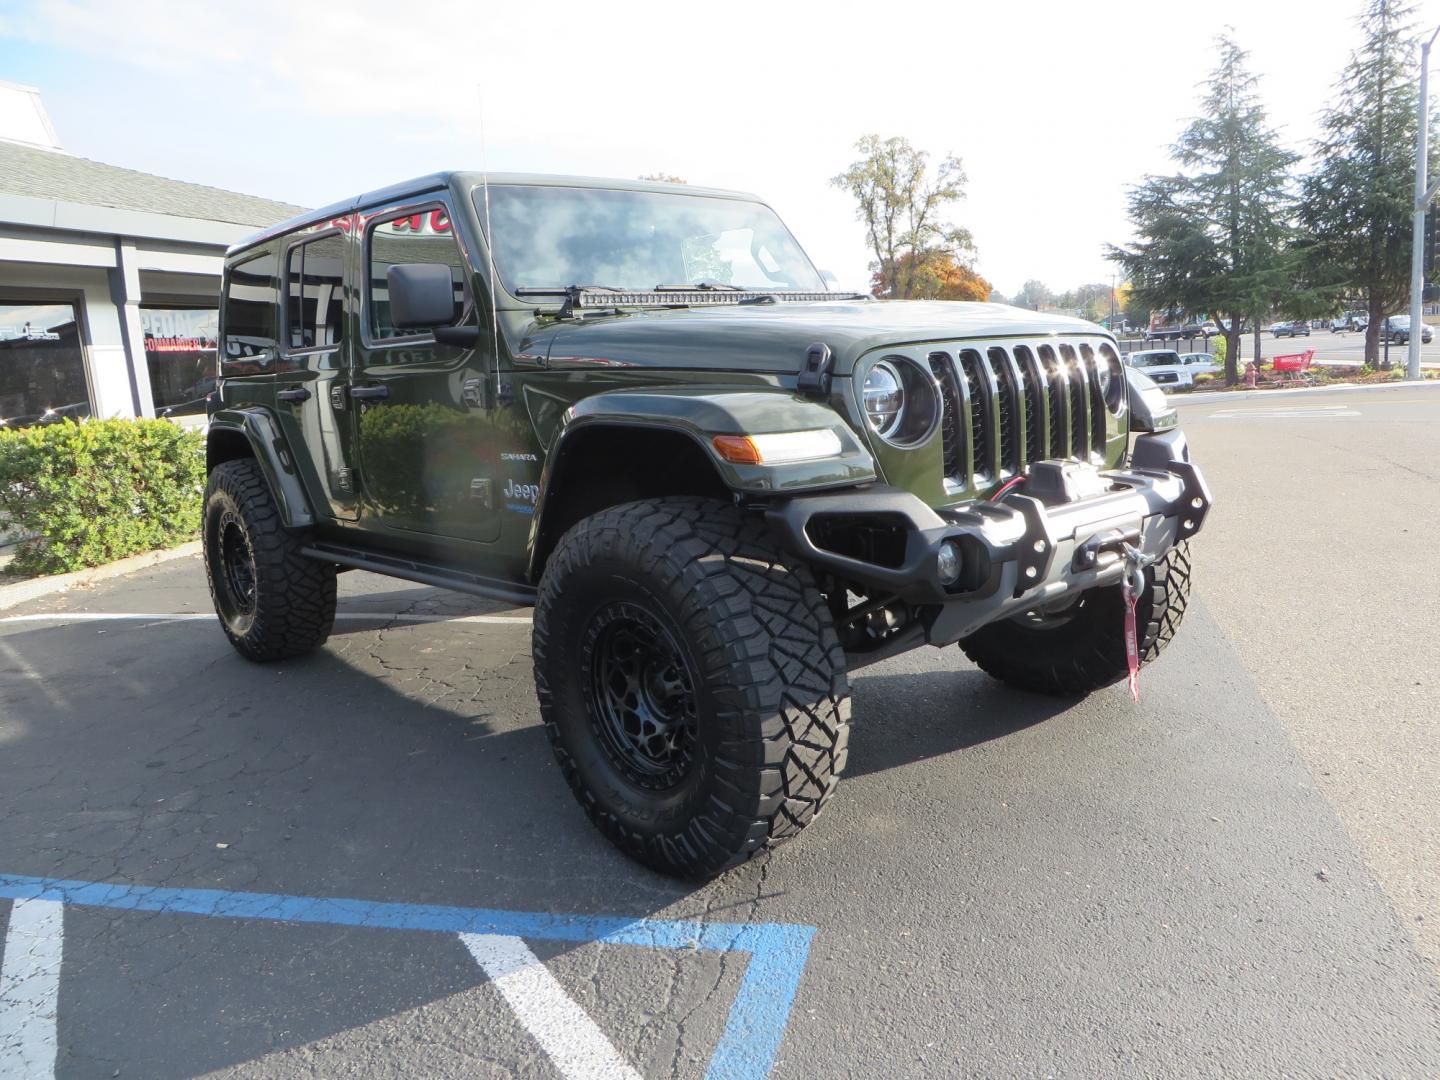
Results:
x,y
1423,195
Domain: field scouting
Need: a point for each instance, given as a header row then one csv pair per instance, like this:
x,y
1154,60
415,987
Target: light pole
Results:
x,y
1423,195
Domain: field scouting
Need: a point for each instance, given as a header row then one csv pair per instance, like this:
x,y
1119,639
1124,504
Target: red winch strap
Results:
x,y
1132,647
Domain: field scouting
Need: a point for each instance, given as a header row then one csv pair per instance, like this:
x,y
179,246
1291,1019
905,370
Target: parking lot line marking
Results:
x,y
1322,412
30,988
192,616
564,1031
753,1030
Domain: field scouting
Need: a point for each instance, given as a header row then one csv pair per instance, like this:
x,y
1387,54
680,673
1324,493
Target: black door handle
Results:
x,y
299,393
369,391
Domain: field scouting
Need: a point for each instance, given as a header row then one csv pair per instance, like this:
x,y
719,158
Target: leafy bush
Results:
x,y
1217,350
89,493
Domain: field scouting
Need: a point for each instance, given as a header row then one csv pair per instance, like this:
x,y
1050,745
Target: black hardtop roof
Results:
x,y
469,179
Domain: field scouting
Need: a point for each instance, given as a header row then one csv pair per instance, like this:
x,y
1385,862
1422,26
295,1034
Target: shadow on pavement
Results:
x,y
903,718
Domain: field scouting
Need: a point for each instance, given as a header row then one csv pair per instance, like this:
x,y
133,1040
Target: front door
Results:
x,y
425,437
310,378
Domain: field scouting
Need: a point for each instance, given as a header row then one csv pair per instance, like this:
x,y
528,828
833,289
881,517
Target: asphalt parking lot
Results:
x,y
362,854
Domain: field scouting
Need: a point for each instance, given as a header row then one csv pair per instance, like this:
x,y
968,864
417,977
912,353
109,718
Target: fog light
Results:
x,y
948,562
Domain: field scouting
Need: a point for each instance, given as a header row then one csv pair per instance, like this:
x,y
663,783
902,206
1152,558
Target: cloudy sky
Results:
x,y
1053,106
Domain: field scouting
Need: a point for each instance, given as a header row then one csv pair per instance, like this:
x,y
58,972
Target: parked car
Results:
x,y
1397,331
719,496
1200,363
1298,328
1164,367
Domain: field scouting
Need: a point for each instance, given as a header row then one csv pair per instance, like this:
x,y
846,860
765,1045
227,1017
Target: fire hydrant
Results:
x,y
1251,374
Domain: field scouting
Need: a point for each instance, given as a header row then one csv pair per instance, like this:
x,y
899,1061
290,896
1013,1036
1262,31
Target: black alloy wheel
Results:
x,y
235,584
641,696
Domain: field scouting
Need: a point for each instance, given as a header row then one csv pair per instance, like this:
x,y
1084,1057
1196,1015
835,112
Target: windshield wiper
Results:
x,y
700,286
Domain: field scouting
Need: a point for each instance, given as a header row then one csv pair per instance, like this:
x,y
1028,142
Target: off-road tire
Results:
x,y
1087,651
771,700
290,608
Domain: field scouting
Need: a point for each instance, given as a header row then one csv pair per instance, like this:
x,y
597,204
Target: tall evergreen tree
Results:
x,y
1357,204
1211,238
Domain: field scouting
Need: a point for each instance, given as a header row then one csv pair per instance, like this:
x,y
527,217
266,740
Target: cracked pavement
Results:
x,y
1004,886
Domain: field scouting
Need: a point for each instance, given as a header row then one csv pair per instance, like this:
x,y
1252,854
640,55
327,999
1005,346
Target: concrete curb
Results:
x,y
1209,397
21,591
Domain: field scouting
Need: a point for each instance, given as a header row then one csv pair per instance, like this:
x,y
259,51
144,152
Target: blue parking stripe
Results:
x,y
753,1030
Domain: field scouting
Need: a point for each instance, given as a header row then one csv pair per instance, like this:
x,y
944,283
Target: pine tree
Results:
x,y
1212,237
1357,204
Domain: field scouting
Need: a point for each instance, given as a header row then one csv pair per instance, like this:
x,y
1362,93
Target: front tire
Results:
x,y
691,683
273,602
1081,649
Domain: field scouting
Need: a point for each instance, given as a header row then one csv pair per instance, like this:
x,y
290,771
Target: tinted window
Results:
x,y
314,291
42,367
180,352
409,238
250,296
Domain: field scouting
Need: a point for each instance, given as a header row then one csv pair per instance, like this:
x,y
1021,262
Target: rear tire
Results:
x,y
1083,648
273,602
691,683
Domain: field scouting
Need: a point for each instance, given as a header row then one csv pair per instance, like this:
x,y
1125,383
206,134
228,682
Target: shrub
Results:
x,y
89,493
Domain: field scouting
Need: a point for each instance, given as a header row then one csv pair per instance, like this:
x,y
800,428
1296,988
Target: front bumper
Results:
x,y
1032,550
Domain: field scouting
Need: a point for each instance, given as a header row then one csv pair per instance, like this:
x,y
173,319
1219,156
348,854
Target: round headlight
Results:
x,y
884,398
1112,381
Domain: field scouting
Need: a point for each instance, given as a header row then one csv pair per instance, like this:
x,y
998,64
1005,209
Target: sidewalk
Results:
x,y
31,588
1212,396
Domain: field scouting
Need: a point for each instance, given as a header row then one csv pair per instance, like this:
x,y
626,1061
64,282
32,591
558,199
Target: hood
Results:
x,y
774,337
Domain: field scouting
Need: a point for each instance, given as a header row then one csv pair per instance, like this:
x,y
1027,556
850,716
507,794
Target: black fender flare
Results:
x,y
265,442
696,414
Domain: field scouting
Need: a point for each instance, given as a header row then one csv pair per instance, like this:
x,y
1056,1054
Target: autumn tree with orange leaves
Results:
x,y
932,274
918,254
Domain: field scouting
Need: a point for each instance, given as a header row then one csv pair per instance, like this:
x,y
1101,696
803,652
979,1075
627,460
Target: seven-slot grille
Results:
x,y
1004,406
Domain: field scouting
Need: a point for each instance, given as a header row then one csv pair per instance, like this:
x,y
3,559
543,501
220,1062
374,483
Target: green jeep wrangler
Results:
x,y
638,408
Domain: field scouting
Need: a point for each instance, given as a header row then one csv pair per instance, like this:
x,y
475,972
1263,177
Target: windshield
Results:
x,y
1154,359
551,237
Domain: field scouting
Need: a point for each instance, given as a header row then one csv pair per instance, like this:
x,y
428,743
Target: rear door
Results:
x,y
312,375
426,438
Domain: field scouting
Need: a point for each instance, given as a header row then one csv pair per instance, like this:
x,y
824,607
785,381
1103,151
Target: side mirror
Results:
x,y
831,281
422,295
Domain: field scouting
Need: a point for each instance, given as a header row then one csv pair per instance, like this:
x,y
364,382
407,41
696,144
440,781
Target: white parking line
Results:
x,y
1305,412
340,616
30,988
577,1047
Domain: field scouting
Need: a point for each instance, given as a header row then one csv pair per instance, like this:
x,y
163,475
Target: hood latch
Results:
x,y
814,380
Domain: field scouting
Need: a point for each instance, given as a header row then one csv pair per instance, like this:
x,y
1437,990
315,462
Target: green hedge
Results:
x,y
93,492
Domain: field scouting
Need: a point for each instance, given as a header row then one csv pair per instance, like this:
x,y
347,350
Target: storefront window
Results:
x,y
42,367
180,352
